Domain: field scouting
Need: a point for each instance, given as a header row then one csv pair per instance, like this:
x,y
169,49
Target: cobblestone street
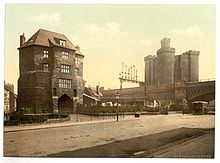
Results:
x,y
41,142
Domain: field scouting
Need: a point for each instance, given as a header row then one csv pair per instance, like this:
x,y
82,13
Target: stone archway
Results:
x,y
65,104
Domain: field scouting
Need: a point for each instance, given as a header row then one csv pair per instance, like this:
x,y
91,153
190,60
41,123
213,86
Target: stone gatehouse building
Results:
x,y
51,73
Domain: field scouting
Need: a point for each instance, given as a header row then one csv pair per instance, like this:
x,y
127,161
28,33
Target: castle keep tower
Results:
x,y
149,70
166,68
165,63
51,73
187,66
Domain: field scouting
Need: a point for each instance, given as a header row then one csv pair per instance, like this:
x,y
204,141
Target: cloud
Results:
x,y
113,27
109,34
94,29
105,46
194,31
45,18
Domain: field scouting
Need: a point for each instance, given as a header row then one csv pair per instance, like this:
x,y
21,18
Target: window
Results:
x,y
76,72
45,53
62,42
65,68
65,83
65,55
76,60
45,67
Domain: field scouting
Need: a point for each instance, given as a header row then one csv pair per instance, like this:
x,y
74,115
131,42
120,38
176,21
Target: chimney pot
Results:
x,y
22,40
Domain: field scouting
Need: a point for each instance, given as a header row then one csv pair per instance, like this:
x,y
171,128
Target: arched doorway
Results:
x,y
65,104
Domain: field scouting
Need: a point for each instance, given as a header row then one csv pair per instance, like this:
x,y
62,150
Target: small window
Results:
x,y
45,53
77,72
62,42
65,68
65,83
76,60
45,67
65,55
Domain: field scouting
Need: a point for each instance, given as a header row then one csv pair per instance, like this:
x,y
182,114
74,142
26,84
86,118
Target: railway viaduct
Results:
x,y
191,91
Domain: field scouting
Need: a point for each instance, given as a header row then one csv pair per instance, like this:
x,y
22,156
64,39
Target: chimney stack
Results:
x,y
22,40
78,47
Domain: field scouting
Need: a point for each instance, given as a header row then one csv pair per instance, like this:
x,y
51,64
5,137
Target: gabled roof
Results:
x,y
91,97
10,88
92,92
47,38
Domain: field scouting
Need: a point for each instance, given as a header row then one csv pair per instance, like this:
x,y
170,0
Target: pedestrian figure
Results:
x,y
184,106
167,108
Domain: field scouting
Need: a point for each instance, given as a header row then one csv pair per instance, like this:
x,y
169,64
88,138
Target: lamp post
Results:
x,y
117,99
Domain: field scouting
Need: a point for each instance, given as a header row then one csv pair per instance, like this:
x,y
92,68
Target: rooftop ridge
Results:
x,y
44,37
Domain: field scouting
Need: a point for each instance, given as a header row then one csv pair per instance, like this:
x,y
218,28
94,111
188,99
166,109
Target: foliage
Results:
x,y
176,107
113,109
17,118
31,111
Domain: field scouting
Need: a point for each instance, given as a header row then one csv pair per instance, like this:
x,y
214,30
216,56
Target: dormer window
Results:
x,y
62,42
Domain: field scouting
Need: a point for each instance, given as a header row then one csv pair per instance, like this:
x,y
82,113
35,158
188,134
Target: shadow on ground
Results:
x,y
139,146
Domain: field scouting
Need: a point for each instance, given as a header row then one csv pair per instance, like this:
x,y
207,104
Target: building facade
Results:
x,y
166,68
51,73
9,100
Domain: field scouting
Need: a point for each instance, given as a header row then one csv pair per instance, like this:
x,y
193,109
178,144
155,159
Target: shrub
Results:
x,y
11,122
176,107
113,109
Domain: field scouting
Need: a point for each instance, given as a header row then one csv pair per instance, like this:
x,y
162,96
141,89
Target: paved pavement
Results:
x,y
81,121
49,140
200,147
143,146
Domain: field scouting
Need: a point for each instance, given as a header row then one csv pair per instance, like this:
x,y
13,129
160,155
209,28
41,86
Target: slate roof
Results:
x,y
47,38
9,88
92,92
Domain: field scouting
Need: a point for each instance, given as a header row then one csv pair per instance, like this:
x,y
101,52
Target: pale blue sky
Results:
x,y
110,34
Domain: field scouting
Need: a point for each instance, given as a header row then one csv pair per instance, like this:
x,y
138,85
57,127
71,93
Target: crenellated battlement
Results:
x,y
191,52
169,50
165,43
165,47
149,57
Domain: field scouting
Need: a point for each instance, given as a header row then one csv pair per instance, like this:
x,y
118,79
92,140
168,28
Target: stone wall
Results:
x,y
165,68
187,66
39,89
34,91
148,93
